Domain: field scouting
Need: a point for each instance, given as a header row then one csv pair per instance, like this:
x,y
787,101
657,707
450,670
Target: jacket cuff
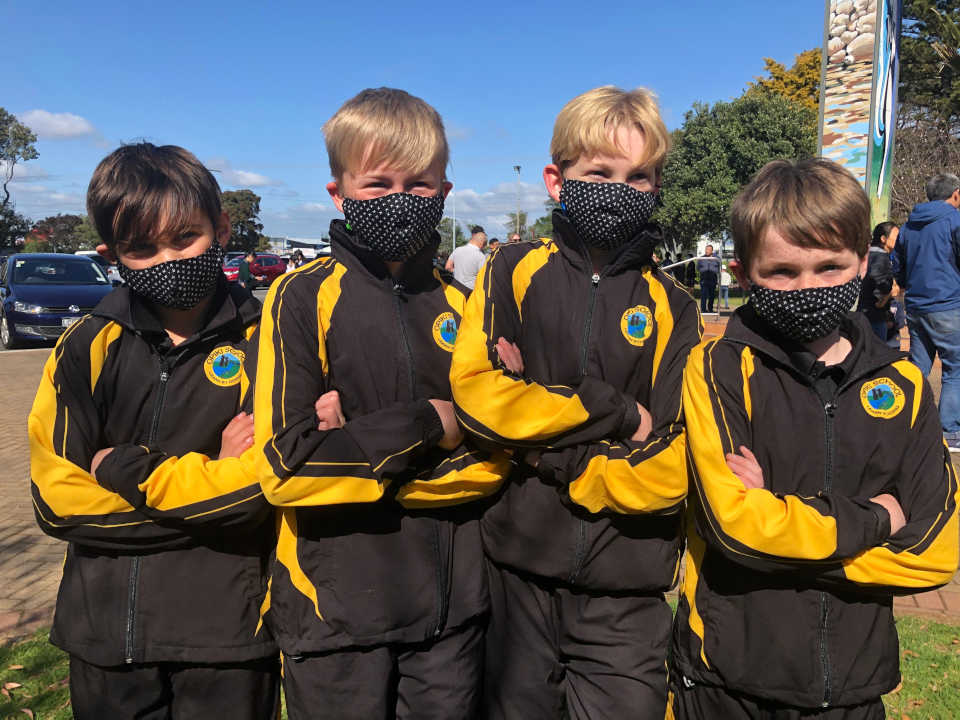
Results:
x,y
430,422
125,468
631,418
883,521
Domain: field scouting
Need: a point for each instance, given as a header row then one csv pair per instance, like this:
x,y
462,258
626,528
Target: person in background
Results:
x,y
465,261
245,277
878,284
514,237
928,250
709,269
689,272
725,288
492,246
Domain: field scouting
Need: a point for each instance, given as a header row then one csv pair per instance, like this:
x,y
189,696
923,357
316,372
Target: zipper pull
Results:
x,y
595,279
830,408
164,376
398,289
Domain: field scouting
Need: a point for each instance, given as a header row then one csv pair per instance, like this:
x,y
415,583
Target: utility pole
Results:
x,y
516,169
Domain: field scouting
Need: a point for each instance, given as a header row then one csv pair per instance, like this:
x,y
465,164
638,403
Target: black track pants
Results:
x,y
438,680
554,652
705,702
176,691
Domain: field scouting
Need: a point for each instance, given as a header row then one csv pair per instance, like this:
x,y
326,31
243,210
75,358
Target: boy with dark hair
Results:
x,y
377,593
820,483
141,458
571,352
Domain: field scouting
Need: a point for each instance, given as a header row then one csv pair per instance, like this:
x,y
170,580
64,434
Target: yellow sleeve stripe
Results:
x,y
696,548
455,299
525,270
747,369
912,373
99,347
327,297
287,556
664,319
756,518
194,478
478,480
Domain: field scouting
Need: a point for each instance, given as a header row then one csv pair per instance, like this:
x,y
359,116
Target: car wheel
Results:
x,y
6,334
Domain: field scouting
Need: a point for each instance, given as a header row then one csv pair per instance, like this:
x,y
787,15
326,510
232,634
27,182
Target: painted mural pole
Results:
x,y
858,92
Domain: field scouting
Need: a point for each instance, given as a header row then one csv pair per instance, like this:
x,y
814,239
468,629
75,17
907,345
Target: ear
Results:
x,y
222,231
740,273
447,187
553,179
106,253
333,187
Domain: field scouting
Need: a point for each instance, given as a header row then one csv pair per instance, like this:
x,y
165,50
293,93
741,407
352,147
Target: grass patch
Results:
x,y
33,678
33,675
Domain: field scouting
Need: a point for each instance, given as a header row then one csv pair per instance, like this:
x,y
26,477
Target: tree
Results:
x,y
801,83
57,233
446,235
13,226
717,151
243,207
512,226
86,235
923,149
543,226
16,145
927,81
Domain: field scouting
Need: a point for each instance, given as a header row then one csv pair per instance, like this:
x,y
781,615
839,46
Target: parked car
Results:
x,y
268,265
45,293
113,274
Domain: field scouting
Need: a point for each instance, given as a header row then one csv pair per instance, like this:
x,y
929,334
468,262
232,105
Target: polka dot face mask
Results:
x,y
807,314
394,226
606,215
177,284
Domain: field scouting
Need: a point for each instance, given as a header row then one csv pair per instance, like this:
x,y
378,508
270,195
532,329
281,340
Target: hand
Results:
x,y
237,436
746,467
329,413
646,425
452,434
889,503
97,459
510,356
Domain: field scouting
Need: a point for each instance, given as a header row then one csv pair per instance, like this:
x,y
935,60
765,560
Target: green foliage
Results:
x,y
927,82
243,207
512,225
60,233
800,83
543,226
718,149
16,145
86,235
447,229
930,664
13,226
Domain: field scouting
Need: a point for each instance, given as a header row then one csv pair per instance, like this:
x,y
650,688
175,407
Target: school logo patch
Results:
x,y
637,324
223,366
445,331
882,398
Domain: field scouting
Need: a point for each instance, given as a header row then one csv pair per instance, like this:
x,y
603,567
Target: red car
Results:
x,y
267,265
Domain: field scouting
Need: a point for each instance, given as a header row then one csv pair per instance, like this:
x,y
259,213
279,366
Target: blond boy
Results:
x,y
376,598
571,352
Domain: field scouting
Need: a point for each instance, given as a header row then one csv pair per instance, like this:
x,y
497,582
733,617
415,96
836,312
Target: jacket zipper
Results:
x,y
443,570
829,411
135,561
580,554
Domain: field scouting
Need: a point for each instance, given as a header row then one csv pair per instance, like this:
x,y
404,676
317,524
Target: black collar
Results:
x,y
636,253
416,274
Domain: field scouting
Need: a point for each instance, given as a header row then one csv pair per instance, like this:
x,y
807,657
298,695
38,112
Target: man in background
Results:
x,y
465,262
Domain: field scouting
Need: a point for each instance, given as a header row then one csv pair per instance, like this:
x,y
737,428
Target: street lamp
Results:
x,y
516,169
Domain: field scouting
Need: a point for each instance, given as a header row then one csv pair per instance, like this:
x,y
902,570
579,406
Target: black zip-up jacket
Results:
x,y
168,554
788,588
600,511
877,285
370,550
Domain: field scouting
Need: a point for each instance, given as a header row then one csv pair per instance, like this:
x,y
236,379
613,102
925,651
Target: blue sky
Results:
x,y
247,86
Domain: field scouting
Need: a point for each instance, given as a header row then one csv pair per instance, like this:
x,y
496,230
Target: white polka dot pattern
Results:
x,y
806,314
606,215
394,226
178,284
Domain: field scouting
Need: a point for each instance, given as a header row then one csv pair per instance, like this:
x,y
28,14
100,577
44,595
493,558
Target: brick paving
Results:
x,y
30,562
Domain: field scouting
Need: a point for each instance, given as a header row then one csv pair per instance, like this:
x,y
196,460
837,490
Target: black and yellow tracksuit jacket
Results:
x,y
788,588
599,511
168,549
370,550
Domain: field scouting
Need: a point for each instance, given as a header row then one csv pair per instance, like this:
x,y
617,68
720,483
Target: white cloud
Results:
x,y
458,132
238,178
307,219
39,201
490,208
56,126
23,172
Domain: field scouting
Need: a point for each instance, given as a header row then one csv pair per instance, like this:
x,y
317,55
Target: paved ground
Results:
x,y
30,562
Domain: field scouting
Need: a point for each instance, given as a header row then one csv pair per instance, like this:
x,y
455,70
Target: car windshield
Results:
x,y
59,271
234,263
